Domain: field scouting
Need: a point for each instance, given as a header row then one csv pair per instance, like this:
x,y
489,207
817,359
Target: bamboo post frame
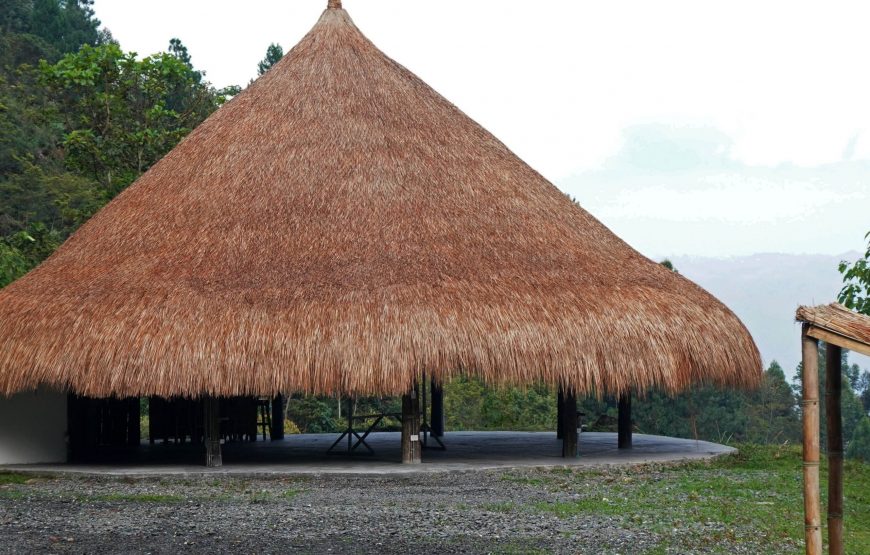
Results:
x,y
834,427
211,432
411,448
810,410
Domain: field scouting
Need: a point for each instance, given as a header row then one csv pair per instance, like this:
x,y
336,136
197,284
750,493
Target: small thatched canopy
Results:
x,y
837,324
339,227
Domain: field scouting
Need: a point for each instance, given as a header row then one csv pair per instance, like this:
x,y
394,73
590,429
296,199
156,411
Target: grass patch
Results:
x,y
754,497
12,494
13,478
502,507
291,494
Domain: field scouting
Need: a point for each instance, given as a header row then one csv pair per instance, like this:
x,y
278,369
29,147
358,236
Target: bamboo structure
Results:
x,y
211,432
411,446
810,410
834,424
840,328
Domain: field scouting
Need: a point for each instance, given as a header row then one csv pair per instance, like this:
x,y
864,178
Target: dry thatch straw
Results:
x,y
838,319
338,227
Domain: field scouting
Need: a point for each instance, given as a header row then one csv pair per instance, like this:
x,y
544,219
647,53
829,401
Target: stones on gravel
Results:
x,y
513,511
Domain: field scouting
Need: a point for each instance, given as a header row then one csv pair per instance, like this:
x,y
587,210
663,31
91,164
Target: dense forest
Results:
x,y
81,119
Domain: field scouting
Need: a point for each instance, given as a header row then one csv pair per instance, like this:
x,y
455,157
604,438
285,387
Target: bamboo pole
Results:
x,y
624,421
411,450
560,405
834,425
810,410
211,431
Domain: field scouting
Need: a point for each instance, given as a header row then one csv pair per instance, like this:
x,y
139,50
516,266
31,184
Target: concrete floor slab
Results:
x,y
306,454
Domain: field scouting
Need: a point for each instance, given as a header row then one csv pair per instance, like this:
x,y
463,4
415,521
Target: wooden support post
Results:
x,y
810,410
834,424
560,402
569,426
212,431
437,409
624,424
411,448
277,431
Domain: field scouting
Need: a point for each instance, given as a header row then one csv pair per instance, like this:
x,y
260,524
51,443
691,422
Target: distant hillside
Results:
x,y
765,289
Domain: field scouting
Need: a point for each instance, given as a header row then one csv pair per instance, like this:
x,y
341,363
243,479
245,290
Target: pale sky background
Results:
x,y
687,128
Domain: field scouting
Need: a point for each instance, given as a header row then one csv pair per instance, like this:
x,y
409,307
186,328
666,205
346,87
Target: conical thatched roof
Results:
x,y
340,226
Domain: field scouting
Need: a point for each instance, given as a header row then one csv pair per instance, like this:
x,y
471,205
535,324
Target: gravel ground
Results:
x,y
510,511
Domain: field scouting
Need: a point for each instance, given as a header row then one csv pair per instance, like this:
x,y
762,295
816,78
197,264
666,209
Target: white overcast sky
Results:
x,y
686,127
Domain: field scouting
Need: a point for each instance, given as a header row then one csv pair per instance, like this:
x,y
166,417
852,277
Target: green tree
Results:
x,y
856,279
15,16
772,412
64,24
79,120
851,407
859,446
312,414
13,264
22,251
669,265
122,114
273,54
863,389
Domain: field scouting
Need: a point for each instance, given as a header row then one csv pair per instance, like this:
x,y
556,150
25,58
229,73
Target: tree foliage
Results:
x,y
273,54
859,446
80,119
856,282
122,114
851,405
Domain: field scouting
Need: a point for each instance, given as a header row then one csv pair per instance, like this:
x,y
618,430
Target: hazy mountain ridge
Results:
x,y
764,290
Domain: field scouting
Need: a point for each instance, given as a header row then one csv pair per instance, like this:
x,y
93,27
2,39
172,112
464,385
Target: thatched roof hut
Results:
x,y
339,227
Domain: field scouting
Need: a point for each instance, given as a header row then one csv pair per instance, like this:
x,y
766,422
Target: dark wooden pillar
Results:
x,y
277,431
211,431
810,412
411,448
437,409
624,423
569,426
834,423
560,402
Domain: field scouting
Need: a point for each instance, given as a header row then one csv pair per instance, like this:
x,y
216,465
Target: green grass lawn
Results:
x,y
755,496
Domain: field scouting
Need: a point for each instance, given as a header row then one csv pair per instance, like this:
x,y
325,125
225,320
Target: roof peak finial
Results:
x,y
333,5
